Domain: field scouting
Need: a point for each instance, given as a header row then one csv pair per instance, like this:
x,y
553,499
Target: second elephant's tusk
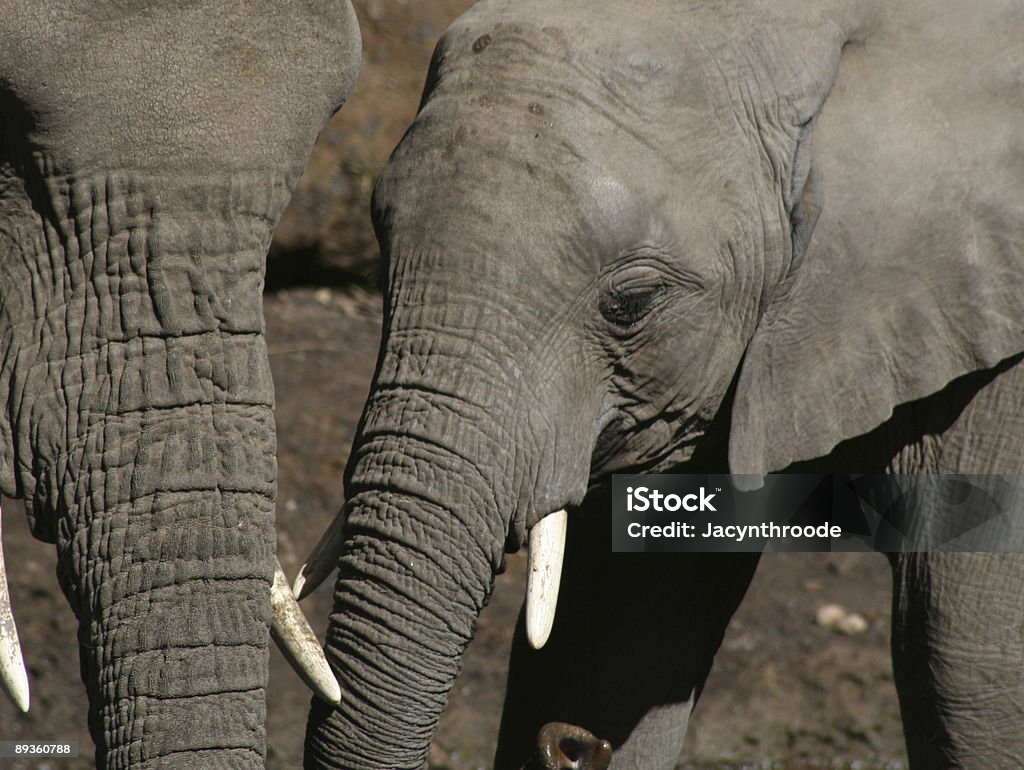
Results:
x,y
13,677
298,643
321,562
547,547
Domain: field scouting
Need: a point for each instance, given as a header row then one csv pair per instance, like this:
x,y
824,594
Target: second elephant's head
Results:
x,y
590,226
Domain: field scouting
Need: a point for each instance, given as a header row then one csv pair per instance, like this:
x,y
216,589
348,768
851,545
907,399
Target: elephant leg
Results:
x,y
958,618
633,641
958,637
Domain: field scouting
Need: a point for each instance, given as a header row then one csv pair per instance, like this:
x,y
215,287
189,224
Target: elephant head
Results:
x,y
147,150
627,238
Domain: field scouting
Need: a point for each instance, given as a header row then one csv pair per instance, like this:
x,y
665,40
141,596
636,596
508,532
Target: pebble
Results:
x,y
836,617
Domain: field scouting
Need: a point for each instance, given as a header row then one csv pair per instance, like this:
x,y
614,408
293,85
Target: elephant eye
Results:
x,y
629,298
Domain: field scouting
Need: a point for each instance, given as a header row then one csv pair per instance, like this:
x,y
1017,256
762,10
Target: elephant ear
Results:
x,y
914,272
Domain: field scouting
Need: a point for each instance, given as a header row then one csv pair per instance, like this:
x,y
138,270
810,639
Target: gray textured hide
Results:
x,y
683,236
147,150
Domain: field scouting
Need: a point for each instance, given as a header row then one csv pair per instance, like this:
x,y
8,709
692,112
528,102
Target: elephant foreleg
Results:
x,y
958,618
958,637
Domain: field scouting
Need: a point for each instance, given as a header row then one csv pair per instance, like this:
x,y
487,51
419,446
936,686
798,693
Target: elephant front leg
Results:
x,y
958,658
633,641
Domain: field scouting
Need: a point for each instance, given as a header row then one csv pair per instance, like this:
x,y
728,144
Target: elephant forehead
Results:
x,y
458,190
662,106
633,74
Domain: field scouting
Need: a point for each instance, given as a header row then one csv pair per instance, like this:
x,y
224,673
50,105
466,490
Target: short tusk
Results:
x,y
298,643
547,547
13,676
321,562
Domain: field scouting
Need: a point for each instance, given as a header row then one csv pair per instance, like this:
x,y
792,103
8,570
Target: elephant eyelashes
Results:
x,y
625,309
626,301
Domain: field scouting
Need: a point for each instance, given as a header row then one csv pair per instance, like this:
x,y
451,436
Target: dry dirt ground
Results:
x,y
784,689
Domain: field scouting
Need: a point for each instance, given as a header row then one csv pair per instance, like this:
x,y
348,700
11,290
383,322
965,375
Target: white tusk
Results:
x,y
321,562
298,643
547,547
13,676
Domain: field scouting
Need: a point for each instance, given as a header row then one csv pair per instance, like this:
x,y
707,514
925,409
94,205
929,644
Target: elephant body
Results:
x,y
683,237
957,637
147,150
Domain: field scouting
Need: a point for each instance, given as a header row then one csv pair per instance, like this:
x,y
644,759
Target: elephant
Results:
x,y
744,237
147,150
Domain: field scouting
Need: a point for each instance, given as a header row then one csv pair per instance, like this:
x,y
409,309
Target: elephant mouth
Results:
x,y
626,445
289,629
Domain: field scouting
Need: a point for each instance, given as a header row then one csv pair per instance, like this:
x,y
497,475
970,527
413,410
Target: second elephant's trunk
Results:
x,y
170,580
144,444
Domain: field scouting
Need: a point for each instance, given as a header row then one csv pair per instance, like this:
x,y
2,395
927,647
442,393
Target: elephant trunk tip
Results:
x,y
562,746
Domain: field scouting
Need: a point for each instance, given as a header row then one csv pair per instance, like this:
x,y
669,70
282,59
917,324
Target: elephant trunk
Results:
x,y
417,568
396,656
171,588
144,444
434,497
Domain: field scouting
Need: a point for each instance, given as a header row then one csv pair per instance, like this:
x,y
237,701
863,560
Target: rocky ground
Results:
x,y
791,684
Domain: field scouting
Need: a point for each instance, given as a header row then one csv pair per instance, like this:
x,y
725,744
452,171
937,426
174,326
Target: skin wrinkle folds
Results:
x,y
62,351
426,307
128,413
529,174
138,194
381,467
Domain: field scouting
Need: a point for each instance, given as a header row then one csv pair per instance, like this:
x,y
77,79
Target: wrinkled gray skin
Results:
x,y
681,236
147,150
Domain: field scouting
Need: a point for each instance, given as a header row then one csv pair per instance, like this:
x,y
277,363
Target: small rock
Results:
x,y
853,624
837,618
438,758
830,615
